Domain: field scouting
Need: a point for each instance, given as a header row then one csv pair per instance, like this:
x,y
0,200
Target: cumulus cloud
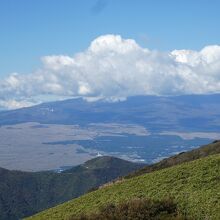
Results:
x,y
114,68
14,104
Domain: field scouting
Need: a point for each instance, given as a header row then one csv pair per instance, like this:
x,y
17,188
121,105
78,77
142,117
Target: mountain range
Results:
x,y
169,113
139,129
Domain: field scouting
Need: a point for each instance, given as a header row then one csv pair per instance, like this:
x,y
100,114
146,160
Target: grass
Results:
x,y
195,187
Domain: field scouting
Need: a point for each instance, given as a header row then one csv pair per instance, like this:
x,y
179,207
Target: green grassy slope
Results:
x,y
25,193
195,186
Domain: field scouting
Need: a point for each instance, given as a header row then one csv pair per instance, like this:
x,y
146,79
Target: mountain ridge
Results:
x,y
193,185
154,112
25,193
203,153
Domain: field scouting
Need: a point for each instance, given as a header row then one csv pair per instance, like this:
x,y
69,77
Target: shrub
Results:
x,y
136,209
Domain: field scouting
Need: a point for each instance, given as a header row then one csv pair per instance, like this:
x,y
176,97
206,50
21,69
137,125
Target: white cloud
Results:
x,y
114,68
14,104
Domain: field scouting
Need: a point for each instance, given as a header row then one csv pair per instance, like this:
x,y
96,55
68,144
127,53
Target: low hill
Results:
x,y
193,185
204,151
25,193
114,165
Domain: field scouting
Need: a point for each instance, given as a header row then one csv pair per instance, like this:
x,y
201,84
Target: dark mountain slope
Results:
x,y
25,193
112,164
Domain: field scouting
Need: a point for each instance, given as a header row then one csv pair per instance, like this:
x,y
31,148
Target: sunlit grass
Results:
x,y
195,186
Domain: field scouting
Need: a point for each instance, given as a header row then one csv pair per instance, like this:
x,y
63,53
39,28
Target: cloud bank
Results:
x,y
114,68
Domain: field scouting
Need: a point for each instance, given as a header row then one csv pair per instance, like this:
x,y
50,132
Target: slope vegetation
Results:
x,y
193,185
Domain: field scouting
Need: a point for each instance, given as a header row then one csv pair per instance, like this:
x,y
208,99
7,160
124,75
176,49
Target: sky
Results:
x,y
68,48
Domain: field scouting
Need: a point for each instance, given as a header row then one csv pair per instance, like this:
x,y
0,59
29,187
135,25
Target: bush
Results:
x,y
136,209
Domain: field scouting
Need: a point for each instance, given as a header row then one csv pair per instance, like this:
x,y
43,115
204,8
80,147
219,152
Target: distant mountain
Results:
x,y
25,193
179,113
194,186
141,128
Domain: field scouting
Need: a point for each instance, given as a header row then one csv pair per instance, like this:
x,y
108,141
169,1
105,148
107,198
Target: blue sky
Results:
x,y
107,49
31,29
